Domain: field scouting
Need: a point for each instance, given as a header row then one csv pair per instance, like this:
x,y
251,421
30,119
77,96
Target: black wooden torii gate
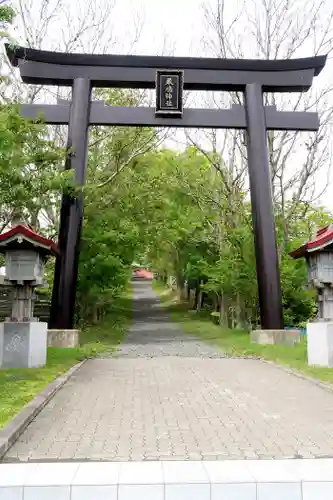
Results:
x,y
169,75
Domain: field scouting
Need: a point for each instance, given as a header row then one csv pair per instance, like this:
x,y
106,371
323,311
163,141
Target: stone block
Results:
x,y
320,343
63,338
276,337
23,344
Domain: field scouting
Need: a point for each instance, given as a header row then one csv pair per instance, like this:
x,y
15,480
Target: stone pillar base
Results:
x,y
276,337
320,343
23,344
63,338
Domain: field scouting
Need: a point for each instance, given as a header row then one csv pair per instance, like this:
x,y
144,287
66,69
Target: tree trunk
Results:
x,y
196,295
238,312
200,297
229,312
222,319
216,303
94,315
180,281
188,292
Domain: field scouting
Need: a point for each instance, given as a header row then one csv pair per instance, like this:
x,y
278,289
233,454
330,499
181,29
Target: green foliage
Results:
x,y
31,175
29,167
110,331
108,249
299,302
197,231
7,14
113,231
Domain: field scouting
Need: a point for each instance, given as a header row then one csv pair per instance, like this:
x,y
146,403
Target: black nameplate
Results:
x,y
169,93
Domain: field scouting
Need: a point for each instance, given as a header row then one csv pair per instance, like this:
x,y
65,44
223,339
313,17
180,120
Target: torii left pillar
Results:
x,y
71,214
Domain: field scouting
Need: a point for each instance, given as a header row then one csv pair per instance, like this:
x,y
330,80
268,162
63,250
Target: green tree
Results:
x,y
29,168
112,230
7,14
194,233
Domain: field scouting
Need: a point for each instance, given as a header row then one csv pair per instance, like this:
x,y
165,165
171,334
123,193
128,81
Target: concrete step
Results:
x,y
307,479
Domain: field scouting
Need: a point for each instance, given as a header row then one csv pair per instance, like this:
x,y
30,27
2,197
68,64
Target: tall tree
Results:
x,y
29,162
274,29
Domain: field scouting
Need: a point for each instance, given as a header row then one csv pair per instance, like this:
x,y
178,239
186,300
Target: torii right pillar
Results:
x,y
268,273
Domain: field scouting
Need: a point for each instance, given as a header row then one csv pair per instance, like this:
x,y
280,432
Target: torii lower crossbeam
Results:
x,y
234,118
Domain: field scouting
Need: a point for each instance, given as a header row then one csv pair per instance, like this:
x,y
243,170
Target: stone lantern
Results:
x,y
319,258
23,339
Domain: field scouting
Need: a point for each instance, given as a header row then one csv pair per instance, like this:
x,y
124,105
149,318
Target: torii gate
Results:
x,y
169,75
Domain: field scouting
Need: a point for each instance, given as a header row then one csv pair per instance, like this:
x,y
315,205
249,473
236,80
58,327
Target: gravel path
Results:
x,y
152,334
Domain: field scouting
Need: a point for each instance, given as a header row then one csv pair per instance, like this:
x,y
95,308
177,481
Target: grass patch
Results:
x,y
160,288
167,295
108,334
19,386
237,342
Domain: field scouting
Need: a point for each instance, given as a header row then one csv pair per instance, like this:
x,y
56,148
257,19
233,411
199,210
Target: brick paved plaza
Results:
x,y
168,396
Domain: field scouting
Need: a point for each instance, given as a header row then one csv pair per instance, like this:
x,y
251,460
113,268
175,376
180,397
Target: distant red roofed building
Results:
x,y
144,273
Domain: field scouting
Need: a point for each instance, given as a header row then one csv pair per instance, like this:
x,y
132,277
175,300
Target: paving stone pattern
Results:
x,y
167,396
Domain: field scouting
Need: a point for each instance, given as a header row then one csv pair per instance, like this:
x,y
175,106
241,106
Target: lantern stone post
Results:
x,y
319,258
23,339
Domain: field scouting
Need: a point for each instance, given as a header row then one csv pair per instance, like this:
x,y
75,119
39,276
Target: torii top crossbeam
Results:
x,y
56,68
124,71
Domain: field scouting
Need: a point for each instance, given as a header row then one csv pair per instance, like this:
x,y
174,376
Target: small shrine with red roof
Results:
x,y
23,337
318,253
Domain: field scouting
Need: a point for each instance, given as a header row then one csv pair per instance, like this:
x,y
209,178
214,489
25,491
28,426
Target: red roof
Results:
x,y
324,237
29,235
144,273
